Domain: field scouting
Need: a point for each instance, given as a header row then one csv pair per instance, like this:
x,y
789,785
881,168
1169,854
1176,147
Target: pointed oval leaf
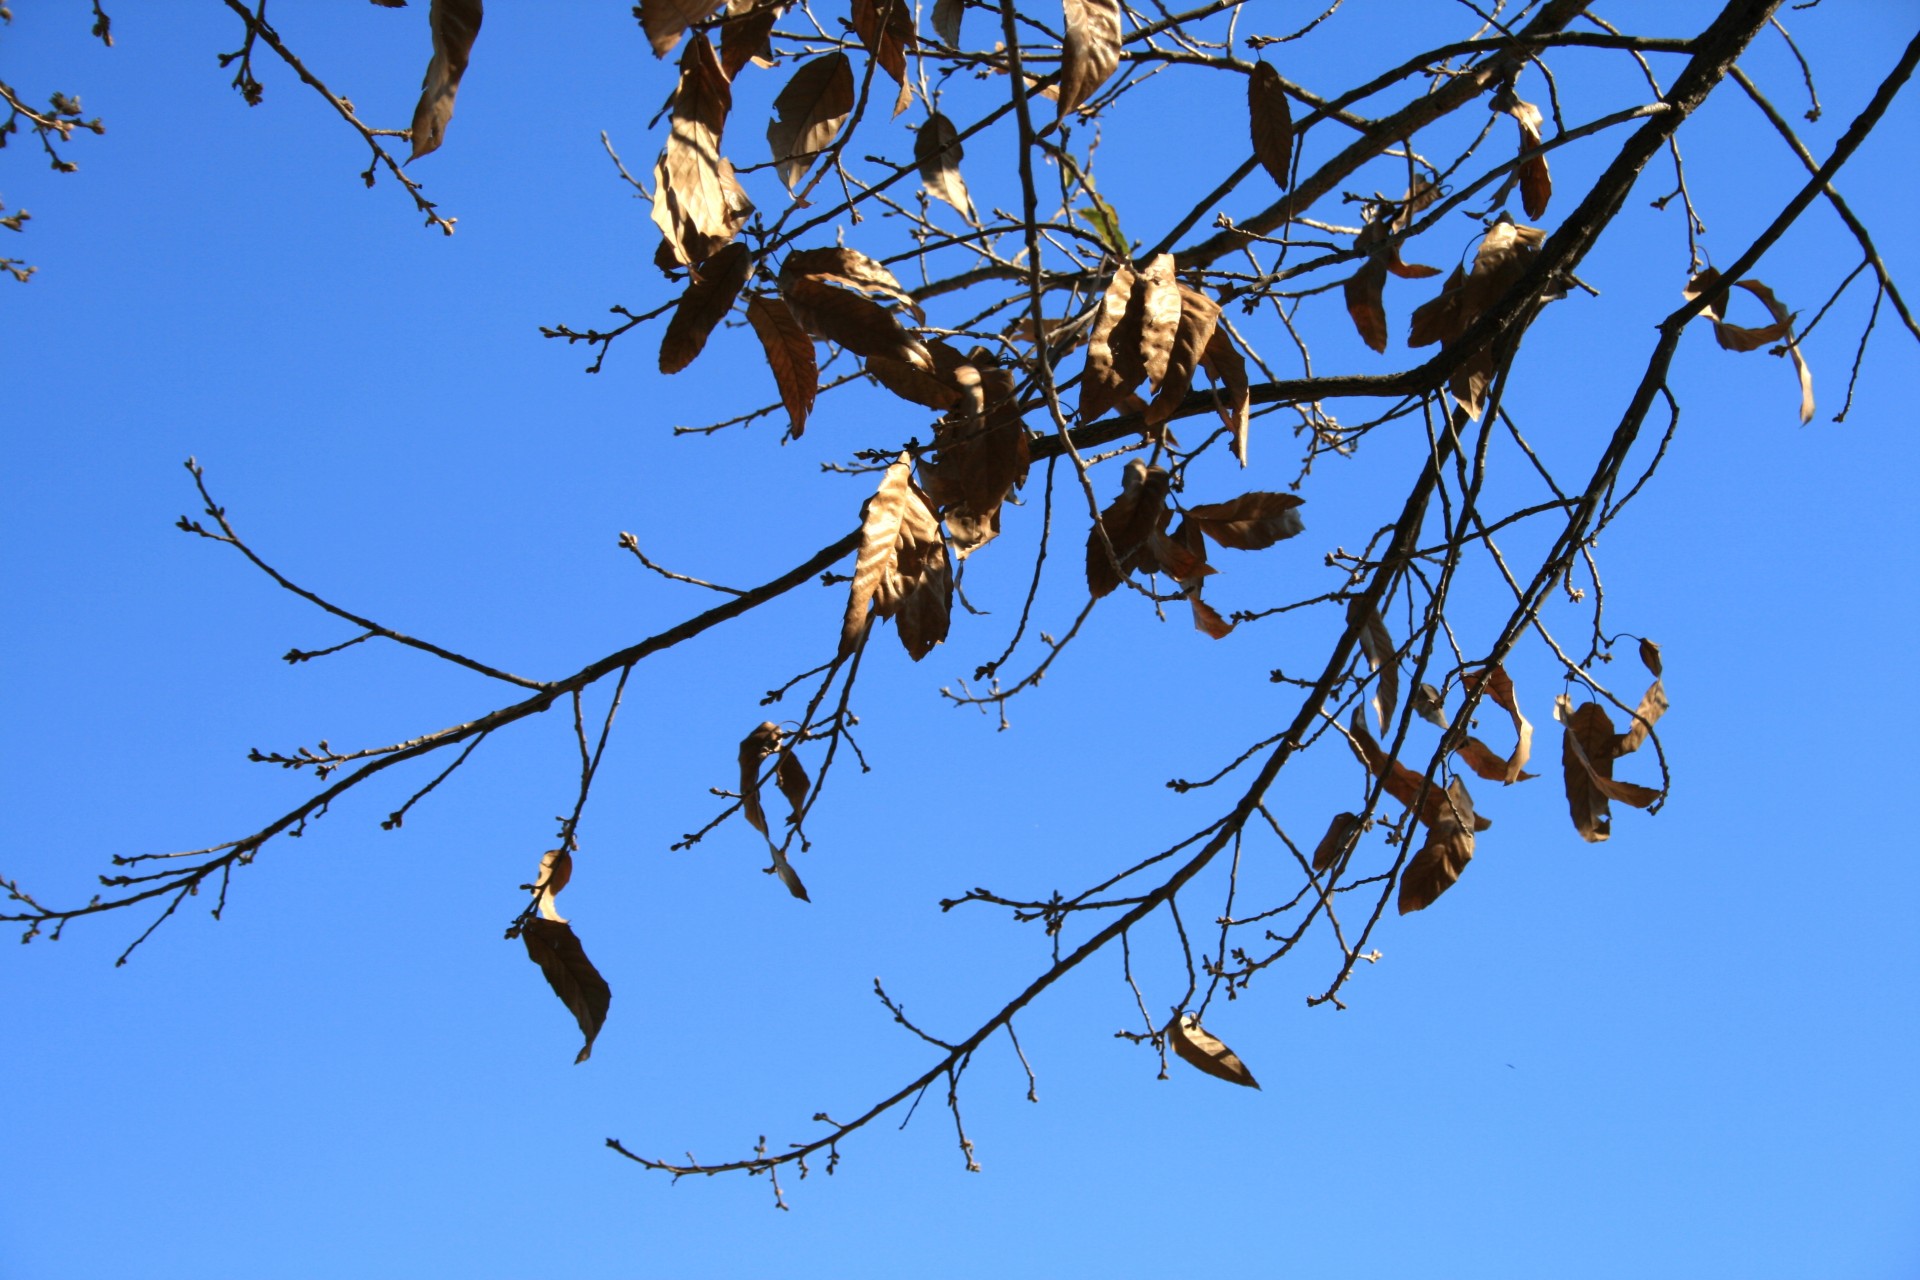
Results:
x,y
1091,50
755,748
1249,522
709,296
789,354
455,25
1206,1053
553,946
808,114
1272,122
937,152
665,21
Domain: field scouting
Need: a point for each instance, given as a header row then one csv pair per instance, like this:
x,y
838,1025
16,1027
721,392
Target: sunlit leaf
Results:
x,y
885,27
698,204
665,20
1342,833
1207,1053
1378,647
901,571
709,296
1091,50
455,24
556,869
789,354
754,749
1249,522
937,153
1448,849
808,114
553,946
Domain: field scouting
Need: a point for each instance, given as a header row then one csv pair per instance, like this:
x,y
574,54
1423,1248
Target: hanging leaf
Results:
x,y
1130,521
937,152
789,354
1160,300
1249,522
1448,849
851,268
1101,386
455,25
1653,705
1365,289
754,749
788,876
556,869
911,382
1193,330
791,776
1650,655
1378,647
885,27
808,114
857,323
1224,365
553,946
981,456
665,20
744,36
1429,705
1587,753
1272,122
698,204
1733,337
1503,258
1499,689
946,21
1208,1054
1090,52
1536,184
1342,834
901,571
709,296
1398,781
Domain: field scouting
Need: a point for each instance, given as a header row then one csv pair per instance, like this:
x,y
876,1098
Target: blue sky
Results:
x,y
1688,1051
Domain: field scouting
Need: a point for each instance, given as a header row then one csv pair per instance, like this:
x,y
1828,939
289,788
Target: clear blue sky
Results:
x,y
1687,1052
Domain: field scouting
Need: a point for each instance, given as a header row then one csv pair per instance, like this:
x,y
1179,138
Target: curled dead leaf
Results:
x,y
790,356
885,27
744,38
1378,647
698,203
1249,522
901,571
1397,780
1342,834
1101,385
1206,1052
937,153
556,869
455,24
1130,521
1090,52
552,945
1734,337
808,114
1587,752
1193,329
1225,365
1448,849
664,21
754,749
1536,182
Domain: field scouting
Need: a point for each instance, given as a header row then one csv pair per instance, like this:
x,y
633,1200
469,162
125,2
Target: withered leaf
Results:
x,y
1101,386
1223,362
455,24
789,354
556,869
911,382
1653,705
1429,705
791,776
1650,655
981,457
698,204
1536,183
1586,754
552,945
946,21
1365,289
788,876
1207,619
1207,1053
744,37
1193,330
754,749
709,296
1091,49
1272,122
1378,647
853,269
1501,261
1499,689
901,571
1159,298
1249,522
1130,521
808,114
1448,849
857,323
665,20
885,27
1484,760
937,152
1342,833
1400,782
1734,337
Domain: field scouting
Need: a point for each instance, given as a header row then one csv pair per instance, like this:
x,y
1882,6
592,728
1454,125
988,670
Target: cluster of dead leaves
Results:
x,y
1505,255
1151,329
1589,747
1132,537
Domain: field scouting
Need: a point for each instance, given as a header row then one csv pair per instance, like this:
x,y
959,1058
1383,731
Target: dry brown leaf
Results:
x,y
1536,183
1193,330
982,455
1586,753
698,204
1378,646
709,296
911,382
1130,521
1206,618
885,27
1207,1053
1734,337
744,37
789,354
853,269
1499,688
1272,122
1429,705
455,24
1400,782
901,571
857,323
1502,260
1484,760
1223,362
1650,655
1342,834
1101,386
553,946
1159,298
1249,522
791,776
808,114
556,869
665,20
1448,849
788,876
1091,50
946,21
937,152
1365,289
1653,705
754,749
